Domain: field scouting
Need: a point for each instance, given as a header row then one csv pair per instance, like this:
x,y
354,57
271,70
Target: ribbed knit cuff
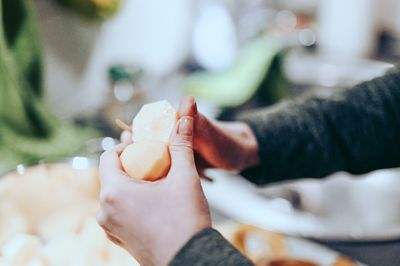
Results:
x,y
209,247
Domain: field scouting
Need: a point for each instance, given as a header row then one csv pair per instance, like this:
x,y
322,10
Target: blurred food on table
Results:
x,y
48,218
54,212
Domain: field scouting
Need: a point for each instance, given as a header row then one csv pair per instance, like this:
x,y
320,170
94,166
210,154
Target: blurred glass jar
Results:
x,y
347,28
126,95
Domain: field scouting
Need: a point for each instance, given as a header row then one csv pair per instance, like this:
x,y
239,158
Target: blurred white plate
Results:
x,y
341,207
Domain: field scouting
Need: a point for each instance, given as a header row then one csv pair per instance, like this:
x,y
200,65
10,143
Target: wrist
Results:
x,y
250,155
240,150
176,243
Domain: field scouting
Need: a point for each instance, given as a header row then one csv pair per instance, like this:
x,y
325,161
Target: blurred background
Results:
x,y
104,59
231,55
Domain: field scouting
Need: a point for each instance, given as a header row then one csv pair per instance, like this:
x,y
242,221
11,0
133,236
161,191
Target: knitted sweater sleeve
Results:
x,y
357,131
208,247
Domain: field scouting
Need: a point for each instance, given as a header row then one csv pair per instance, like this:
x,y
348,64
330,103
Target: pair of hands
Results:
x,y
153,220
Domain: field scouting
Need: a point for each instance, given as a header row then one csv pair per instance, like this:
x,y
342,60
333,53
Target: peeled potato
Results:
x,y
57,204
94,245
154,122
147,160
61,250
148,157
64,221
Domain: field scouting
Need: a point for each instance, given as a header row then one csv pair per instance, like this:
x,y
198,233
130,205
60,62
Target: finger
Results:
x,y
126,137
204,132
202,124
120,147
110,168
201,164
187,107
181,147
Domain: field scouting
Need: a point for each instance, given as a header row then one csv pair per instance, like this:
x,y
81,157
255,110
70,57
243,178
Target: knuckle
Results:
x,y
101,219
108,198
181,144
106,219
185,138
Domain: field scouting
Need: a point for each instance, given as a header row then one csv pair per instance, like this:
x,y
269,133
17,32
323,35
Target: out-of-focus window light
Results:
x,y
346,28
214,38
80,163
21,169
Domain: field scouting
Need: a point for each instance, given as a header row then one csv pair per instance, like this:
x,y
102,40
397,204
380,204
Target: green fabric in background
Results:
x,y
28,131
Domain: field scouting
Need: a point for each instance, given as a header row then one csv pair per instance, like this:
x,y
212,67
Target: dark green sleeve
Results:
x,y
357,131
209,248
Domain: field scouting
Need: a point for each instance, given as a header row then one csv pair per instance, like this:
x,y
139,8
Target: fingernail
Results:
x,y
185,126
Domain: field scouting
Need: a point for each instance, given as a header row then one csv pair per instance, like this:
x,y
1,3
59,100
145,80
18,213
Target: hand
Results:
x,y
153,220
226,145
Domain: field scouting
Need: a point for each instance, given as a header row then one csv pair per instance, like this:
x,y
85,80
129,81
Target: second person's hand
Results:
x,y
226,145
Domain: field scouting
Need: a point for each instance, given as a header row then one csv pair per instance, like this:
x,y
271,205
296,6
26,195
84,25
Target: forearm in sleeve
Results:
x,y
208,247
357,131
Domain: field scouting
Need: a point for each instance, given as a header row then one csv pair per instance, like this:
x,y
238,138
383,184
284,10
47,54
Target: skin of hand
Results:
x,y
153,220
225,145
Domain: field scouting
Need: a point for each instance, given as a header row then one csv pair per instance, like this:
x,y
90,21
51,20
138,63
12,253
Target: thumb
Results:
x,y
181,147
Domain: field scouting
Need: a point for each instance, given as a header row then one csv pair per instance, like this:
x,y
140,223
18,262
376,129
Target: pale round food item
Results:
x,y
93,245
146,160
83,182
48,219
12,222
148,157
154,122
96,249
64,221
39,193
21,249
60,251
